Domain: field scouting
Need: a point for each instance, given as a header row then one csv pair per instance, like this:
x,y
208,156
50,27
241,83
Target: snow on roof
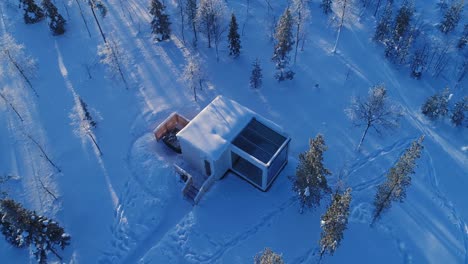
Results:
x,y
216,126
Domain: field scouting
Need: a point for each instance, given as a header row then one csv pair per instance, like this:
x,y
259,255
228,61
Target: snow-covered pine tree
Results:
x,y
452,16
267,256
160,25
326,6
375,111
56,21
32,12
398,179
398,46
384,26
284,43
23,228
256,75
464,38
458,114
234,38
310,182
436,105
334,222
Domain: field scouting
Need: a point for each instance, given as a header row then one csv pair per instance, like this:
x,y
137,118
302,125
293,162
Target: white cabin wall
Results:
x,y
192,155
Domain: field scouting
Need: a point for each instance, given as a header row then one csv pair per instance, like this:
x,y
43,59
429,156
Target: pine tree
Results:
x,y
451,17
458,114
403,20
234,38
23,228
383,29
256,76
326,6
160,25
398,179
32,12
310,182
464,38
267,256
56,21
436,105
375,111
283,46
334,222
397,48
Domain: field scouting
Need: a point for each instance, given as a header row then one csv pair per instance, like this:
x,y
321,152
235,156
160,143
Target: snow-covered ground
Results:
x,y
126,206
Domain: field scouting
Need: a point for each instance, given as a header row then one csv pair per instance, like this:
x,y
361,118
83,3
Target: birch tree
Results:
x,y
373,112
211,20
191,13
18,62
194,75
342,8
301,15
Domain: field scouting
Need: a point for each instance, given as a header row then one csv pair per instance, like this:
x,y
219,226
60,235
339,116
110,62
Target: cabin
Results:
x,y
226,136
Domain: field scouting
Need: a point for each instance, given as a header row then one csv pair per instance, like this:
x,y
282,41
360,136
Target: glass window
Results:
x,y
246,169
207,168
277,164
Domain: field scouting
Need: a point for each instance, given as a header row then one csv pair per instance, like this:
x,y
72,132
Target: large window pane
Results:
x,y
277,163
246,169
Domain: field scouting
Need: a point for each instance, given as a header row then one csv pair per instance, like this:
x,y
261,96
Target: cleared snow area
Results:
x,y
126,206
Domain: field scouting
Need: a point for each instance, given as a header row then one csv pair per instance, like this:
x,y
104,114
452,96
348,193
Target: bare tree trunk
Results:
x,y
246,17
23,74
345,2
363,136
43,153
119,67
182,19
47,189
3,19
95,143
66,10
195,93
82,16
12,107
297,38
97,23
377,7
